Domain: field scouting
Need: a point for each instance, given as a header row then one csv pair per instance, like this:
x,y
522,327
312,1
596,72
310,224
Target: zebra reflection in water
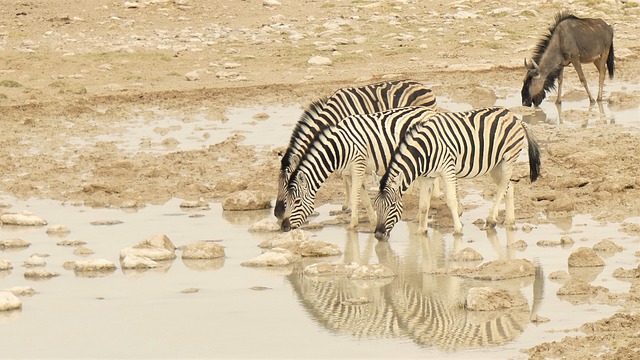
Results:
x,y
417,305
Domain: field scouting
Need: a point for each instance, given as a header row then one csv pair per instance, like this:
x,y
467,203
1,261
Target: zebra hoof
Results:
x,y
491,223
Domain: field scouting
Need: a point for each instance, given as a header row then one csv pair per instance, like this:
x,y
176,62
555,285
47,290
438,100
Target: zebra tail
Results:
x,y
610,64
534,156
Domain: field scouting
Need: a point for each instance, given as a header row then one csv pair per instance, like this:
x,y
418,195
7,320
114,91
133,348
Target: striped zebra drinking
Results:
x,y
358,144
456,145
344,102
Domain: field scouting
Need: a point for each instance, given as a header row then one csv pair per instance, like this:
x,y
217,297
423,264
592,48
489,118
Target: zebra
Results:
x,y
327,112
358,144
456,145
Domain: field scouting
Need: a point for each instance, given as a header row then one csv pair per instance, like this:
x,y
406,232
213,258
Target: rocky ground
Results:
x,y
73,70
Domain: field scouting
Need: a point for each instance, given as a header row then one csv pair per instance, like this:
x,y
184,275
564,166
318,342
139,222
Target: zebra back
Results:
x,y
344,102
473,142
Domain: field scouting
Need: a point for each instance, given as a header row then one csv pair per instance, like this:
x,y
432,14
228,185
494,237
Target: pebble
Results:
x,y
8,301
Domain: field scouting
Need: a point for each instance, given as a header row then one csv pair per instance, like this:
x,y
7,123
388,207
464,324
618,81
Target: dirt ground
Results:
x,y
71,69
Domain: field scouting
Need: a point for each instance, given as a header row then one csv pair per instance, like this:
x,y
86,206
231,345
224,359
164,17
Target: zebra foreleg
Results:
x,y
357,183
451,196
426,187
346,179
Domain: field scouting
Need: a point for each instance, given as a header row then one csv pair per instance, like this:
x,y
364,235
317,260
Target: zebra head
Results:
x,y
288,164
299,202
388,205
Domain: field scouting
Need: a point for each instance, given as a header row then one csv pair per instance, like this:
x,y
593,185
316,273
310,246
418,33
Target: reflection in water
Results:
x,y
204,264
9,316
416,304
548,116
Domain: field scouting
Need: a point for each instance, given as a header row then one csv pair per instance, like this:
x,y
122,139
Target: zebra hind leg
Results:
x,y
501,175
346,179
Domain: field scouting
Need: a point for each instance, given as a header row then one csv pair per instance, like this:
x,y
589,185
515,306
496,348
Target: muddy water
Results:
x,y
278,313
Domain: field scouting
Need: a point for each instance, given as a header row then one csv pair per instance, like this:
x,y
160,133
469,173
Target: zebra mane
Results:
x,y
543,44
306,120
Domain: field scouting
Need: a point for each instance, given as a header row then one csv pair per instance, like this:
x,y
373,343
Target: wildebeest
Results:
x,y
571,40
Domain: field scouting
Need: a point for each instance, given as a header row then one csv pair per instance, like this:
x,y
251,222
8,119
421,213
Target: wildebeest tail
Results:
x,y
610,64
534,156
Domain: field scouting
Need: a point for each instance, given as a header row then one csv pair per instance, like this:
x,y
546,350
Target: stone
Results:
x,y
371,272
40,274
246,200
98,265
488,299
467,254
137,262
24,219
265,225
14,244
8,301
276,257
320,61
203,250
585,257
58,229
5,265
35,261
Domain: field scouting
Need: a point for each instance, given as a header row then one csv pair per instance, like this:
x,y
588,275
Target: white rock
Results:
x,y
13,244
8,301
21,290
34,261
275,257
153,253
5,265
203,250
193,75
24,219
98,265
487,299
290,240
57,229
246,200
137,262
320,61
131,5
265,225
316,248
270,3
231,65
40,274
158,240
371,272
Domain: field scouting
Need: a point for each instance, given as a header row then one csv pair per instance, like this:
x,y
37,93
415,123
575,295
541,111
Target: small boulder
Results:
x,y
265,225
246,200
487,299
203,250
371,272
14,244
24,219
467,254
5,265
585,257
137,262
275,257
8,301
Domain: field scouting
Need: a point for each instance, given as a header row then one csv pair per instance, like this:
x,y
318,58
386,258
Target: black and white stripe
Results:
x,y
359,144
344,102
456,145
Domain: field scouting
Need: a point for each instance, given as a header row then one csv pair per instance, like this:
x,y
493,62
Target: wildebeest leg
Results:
x,y
600,64
425,185
560,76
583,80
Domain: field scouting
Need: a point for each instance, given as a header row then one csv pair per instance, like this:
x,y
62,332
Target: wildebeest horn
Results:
x,y
530,64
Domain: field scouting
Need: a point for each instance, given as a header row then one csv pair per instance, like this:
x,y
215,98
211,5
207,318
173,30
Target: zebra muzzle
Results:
x,y
286,225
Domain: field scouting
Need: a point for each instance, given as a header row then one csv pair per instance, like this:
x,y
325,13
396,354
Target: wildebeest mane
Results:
x,y
543,44
306,121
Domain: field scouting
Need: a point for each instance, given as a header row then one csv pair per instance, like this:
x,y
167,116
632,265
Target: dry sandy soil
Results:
x,y
70,69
